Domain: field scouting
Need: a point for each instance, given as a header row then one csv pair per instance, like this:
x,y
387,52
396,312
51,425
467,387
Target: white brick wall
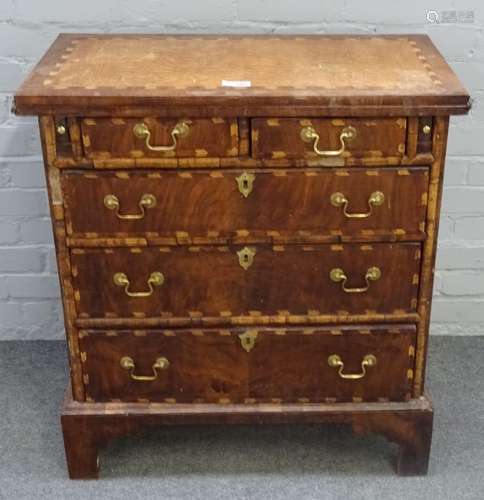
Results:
x,y
29,292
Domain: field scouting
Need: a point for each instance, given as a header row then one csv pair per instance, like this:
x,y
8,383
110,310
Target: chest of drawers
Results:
x,y
245,230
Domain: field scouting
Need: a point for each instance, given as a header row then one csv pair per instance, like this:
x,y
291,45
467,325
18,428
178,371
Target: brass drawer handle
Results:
x,y
128,364
309,134
335,361
338,275
111,202
375,200
156,279
142,131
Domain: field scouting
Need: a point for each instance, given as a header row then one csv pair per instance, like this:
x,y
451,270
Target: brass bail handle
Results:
x,y
156,279
309,134
338,275
335,361
376,199
141,130
111,202
127,363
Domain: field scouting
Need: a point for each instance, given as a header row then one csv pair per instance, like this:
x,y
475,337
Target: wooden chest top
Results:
x,y
331,75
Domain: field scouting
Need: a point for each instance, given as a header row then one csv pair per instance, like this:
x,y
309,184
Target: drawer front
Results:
x,y
278,138
368,363
262,205
106,138
223,282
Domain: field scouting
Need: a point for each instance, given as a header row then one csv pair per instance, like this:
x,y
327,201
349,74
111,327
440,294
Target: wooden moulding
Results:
x,y
216,321
268,238
439,141
87,427
241,162
68,79
47,134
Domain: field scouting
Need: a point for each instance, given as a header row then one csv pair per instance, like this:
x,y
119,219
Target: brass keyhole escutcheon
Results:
x,y
245,183
246,257
247,339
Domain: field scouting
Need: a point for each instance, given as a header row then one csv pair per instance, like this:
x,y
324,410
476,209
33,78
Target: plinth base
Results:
x,y
89,426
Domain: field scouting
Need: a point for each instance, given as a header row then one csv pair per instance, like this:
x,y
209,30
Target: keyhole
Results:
x,y
246,257
245,185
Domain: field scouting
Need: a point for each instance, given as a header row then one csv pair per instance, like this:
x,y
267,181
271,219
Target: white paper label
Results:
x,y
237,84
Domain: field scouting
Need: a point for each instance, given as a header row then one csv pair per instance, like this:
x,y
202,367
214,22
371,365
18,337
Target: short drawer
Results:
x,y
226,282
359,363
105,138
278,138
263,205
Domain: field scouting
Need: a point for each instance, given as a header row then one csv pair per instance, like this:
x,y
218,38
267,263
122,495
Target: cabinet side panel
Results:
x,y
439,144
47,134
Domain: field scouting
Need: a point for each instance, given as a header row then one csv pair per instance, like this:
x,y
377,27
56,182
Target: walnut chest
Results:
x,y
245,229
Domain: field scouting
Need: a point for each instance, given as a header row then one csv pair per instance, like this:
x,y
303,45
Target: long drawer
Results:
x,y
224,281
361,363
293,205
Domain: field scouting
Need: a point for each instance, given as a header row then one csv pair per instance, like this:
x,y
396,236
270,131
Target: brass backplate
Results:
x,y
248,339
245,183
246,257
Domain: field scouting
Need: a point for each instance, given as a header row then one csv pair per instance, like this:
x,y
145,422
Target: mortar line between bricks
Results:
x,y
20,159
23,189
32,246
463,157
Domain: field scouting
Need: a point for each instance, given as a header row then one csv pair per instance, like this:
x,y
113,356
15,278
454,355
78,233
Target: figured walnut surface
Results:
x,y
208,281
105,138
212,366
276,138
143,69
294,205
288,288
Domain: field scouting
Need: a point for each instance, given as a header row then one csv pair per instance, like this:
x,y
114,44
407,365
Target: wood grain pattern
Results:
x,y
350,74
46,126
280,137
211,366
283,205
236,162
205,281
105,138
90,426
281,319
429,251
396,91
